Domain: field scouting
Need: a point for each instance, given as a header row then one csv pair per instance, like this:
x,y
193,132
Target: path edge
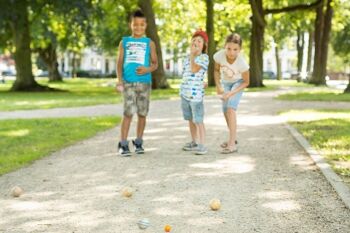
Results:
x,y
342,190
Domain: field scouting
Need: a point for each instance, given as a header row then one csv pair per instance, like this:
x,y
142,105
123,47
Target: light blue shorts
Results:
x,y
233,101
192,110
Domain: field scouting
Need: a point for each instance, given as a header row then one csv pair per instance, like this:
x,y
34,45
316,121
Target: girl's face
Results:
x,y
138,26
232,50
198,42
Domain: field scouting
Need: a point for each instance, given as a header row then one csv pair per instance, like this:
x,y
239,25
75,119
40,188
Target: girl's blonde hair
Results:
x,y
234,38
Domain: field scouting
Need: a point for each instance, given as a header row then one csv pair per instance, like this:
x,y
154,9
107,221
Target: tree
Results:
x,y
323,23
15,15
159,79
257,35
211,43
341,38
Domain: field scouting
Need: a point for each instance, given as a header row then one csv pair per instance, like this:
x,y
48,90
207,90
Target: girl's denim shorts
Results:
x,y
233,101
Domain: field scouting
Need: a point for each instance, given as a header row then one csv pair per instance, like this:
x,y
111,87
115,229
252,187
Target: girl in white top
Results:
x,y
231,77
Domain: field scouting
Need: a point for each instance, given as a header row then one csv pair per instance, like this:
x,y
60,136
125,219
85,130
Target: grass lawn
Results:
x,y
317,95
84,92
23,141
329,132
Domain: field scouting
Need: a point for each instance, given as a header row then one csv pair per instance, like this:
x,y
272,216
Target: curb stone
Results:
x,y
336,182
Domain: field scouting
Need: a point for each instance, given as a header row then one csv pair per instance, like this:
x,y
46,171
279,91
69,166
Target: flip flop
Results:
x,y
228,151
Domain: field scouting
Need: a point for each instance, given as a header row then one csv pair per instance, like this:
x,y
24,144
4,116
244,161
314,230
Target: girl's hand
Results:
x,y
219,90
194,50
205,84
119,87
226,96
142,70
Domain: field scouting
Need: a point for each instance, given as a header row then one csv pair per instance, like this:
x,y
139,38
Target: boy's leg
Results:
x,y
124,131
129,102
143,92
141,124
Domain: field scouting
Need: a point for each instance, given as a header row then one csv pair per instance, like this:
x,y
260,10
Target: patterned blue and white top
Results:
x,y
192,86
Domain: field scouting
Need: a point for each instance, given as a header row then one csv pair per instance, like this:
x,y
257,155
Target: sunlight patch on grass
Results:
x,y
317,95
15,133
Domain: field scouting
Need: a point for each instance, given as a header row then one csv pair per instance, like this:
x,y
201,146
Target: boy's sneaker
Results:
x,y
201,150
124,150
138,148
190,146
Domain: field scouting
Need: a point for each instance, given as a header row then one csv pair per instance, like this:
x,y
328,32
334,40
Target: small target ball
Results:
x,y
16,191
127,192
215,204
167,228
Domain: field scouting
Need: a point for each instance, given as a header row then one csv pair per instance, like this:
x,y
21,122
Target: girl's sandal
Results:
x,y
229,151
225,144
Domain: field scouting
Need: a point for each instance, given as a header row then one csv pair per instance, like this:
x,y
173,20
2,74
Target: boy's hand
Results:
x,y
142,70
205,84
119,87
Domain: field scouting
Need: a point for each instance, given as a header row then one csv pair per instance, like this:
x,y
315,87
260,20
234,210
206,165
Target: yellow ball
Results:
x,y
126,192
167,228
215,204
16,191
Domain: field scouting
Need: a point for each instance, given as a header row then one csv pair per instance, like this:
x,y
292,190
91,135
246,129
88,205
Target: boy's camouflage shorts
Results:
x,y
136,98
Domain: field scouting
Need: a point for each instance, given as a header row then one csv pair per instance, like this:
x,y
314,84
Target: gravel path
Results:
x,y
269,186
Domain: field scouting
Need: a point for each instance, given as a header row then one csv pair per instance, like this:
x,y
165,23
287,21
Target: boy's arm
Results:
x,y
154,62
219,89
154,57
120,61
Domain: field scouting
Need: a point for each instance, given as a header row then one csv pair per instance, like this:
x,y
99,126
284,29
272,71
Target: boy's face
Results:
x,y
138,26
198,42
232,50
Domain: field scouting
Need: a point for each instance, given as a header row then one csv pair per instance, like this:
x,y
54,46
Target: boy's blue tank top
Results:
x,y
136,53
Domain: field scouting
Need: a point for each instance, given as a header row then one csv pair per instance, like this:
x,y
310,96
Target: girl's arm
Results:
x,y
244,84
219,89
194,53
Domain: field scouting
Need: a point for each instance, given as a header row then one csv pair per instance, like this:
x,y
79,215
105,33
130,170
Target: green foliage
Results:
x,y
23,141
113,23
341,37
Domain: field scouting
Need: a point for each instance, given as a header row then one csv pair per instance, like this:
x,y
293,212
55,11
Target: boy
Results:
x,y
136,60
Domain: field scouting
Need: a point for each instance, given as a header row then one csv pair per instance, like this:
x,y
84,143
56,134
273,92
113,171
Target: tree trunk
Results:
x,y
211,43
49,56
256,44
158,76
24,78
347,89
74,65
300,49
322,34
278,63
309,51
